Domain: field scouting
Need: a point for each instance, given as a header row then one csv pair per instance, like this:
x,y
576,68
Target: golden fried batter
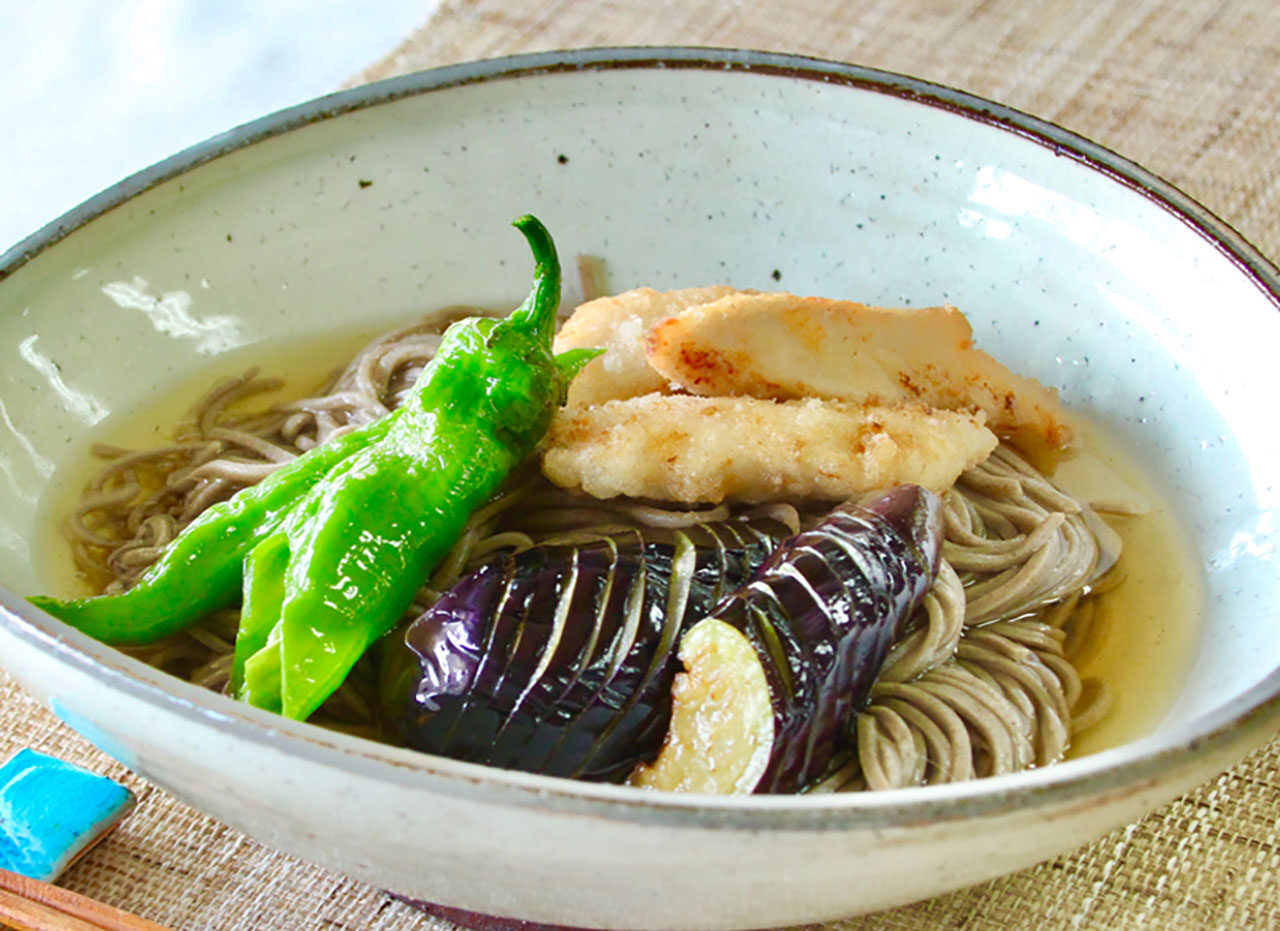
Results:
x,y
618,325
780,346
688,448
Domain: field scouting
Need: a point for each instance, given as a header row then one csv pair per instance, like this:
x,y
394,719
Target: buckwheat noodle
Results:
x,y
981,683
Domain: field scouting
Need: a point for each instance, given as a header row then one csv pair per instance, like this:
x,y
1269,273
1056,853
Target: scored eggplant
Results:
x,y
560,659
774,676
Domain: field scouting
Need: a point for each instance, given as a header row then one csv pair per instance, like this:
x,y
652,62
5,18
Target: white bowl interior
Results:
x,y
674,177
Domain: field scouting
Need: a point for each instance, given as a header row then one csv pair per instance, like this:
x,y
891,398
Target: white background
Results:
x,y
94,90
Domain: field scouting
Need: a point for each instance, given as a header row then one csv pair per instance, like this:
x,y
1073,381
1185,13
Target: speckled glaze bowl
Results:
x,y
678,167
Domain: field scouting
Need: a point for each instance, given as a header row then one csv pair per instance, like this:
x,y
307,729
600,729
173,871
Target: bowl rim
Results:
x,y
1229,729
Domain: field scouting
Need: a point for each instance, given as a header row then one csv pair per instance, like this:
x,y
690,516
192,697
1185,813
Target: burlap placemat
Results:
x,y
1188,89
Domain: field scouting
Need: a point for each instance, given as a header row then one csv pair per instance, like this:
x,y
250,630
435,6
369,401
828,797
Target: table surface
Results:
x,y
1188,89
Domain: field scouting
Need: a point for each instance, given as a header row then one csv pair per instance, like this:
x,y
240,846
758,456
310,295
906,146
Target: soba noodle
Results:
x,y
981,683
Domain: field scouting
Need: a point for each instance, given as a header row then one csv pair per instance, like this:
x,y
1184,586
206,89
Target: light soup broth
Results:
x,y
1140,644
1144,635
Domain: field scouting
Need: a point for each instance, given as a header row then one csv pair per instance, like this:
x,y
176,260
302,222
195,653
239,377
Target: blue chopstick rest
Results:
x,y
51,812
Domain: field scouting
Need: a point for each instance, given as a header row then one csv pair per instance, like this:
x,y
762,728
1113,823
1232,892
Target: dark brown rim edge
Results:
x,y
1254,710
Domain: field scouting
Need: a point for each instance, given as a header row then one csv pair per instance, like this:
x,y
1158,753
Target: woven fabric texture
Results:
x,y
1189,89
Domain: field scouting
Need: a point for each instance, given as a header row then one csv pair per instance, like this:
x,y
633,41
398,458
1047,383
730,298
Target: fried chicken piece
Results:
x,y
618,325
780,346
688,448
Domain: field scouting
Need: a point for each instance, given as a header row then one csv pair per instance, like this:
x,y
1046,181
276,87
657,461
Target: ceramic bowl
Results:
x,y
678,167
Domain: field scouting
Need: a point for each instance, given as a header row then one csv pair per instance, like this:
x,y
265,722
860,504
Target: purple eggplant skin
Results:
x,y
822,613
559,659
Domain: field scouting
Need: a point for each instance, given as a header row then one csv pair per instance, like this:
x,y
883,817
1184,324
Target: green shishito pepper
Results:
x,y
328,551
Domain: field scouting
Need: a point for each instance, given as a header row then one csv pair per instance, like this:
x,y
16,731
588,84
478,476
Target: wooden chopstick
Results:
x,y
30,905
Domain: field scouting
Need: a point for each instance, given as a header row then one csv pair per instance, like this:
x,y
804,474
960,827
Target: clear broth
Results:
x,y
303,364
1141,644
1145,633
